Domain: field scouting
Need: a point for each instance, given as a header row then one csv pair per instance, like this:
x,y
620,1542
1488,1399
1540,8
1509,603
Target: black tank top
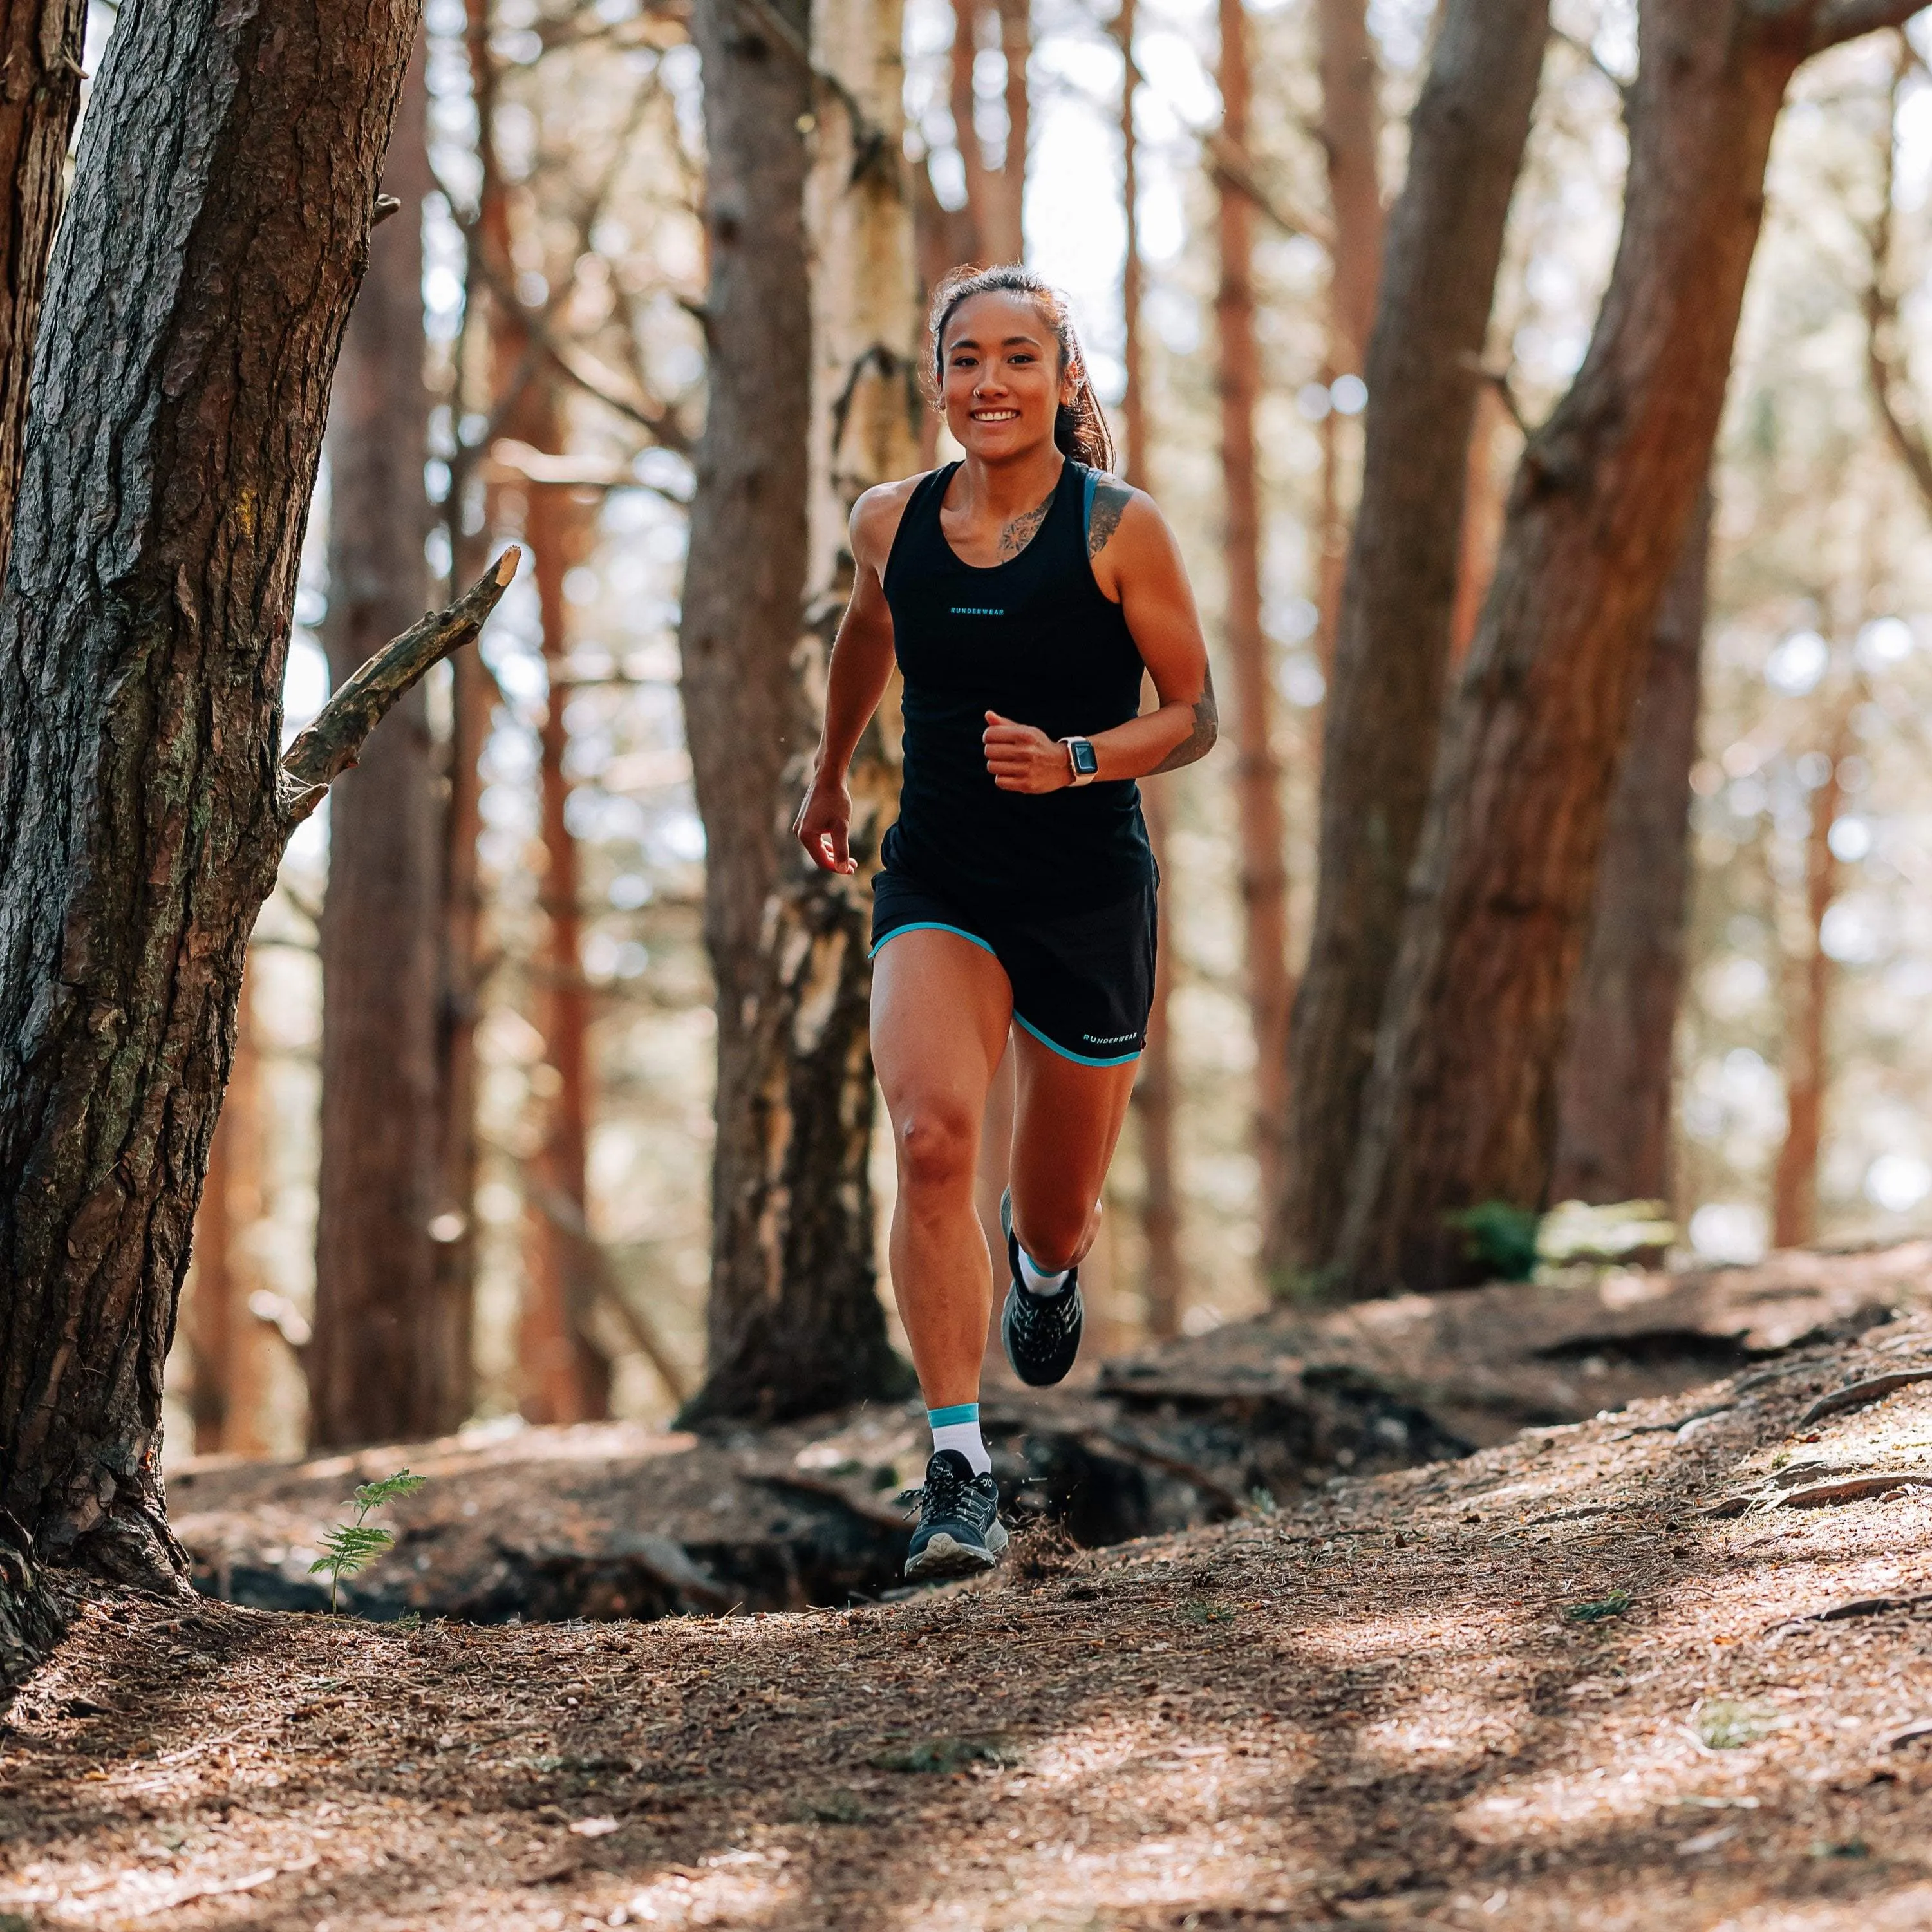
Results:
x,y
1034,639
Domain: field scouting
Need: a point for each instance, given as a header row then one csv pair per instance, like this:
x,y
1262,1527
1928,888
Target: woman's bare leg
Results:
x,y
996,1152
1067,1117
941,1007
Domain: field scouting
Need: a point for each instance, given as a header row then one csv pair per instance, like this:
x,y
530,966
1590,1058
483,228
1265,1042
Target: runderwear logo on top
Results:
x,y
976,610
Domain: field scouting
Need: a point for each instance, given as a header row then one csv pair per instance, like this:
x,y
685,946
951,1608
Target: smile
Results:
x,y
995,416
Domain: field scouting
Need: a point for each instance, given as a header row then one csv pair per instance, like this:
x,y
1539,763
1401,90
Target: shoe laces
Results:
x,y
941,1493
1048,1314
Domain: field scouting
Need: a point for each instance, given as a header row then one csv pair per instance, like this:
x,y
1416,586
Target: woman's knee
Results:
x,y
938,1147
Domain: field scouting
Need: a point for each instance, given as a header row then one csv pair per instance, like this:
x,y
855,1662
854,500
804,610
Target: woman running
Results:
x,y
1024,591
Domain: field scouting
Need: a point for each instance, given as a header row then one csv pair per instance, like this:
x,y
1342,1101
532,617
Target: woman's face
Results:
x,y
1000,379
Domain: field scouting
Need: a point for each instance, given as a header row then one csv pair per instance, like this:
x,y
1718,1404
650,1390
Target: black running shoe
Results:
x,y
1041,1333
959,1532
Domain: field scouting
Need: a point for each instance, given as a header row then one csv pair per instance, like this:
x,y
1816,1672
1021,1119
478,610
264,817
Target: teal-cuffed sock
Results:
x,y
1037,1280
958,1428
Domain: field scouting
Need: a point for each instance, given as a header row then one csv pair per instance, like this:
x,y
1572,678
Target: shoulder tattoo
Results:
x,y
1014,536
1110,502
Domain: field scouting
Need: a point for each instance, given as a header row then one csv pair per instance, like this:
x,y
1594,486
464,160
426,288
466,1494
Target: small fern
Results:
x,y
349,1548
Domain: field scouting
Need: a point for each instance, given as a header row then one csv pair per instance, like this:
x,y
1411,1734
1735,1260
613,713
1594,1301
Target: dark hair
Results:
x,y
1079,429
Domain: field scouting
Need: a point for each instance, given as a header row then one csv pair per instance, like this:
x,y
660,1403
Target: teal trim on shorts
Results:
x,y
960,1412
930,925
1067,1053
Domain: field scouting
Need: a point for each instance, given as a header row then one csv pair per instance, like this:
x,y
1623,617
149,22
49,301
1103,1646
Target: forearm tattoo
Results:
x,y
1200,741
1110,503
1015,537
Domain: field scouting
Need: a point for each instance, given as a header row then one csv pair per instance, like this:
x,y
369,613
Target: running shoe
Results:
x,y
959,1532
1041,1333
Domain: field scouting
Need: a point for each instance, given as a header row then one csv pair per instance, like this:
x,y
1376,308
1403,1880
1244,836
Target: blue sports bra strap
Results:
x,y
1089,481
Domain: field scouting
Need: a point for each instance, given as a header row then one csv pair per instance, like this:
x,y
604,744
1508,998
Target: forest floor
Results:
x,y
1670,1668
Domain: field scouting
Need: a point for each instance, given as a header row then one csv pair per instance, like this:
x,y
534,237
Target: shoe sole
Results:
x,y
946,1556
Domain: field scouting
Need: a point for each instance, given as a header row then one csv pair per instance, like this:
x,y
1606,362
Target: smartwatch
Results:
x,y
1083,759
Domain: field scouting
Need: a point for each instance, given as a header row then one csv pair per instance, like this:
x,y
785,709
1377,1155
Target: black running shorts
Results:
x,y
1082,982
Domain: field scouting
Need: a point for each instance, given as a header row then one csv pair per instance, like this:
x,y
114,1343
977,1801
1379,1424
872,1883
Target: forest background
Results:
x,y
528,362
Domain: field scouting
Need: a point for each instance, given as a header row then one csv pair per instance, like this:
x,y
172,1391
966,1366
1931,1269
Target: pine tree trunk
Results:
x,y
566,1377
472,694
1482,525
1164,1289
1261,831
1461,1109
381,1366
225,1340
1007,241
995,196
979,191
1351,133
1445,234
40,43
1614,1096
1807,999
794,1324
198,298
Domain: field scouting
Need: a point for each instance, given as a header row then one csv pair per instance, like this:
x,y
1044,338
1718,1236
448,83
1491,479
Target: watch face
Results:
x,y
1086,759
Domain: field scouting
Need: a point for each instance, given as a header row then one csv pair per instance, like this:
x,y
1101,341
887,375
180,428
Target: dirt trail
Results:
x,y
1420,1701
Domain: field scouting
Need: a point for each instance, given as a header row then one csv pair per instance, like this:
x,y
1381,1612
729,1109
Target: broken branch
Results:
x,y
333,741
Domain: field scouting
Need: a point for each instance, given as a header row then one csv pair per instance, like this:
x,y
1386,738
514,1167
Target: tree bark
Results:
x,y
794,1321
1809,976
40,43
31,1622
1263,834
1445,234
388,1360
1462,1106
198,294
1351,133
566,1376
1164,1288
225,1395
1614,1092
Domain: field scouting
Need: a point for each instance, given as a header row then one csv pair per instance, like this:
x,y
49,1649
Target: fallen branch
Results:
x,y
332,744
1851,1490
1862,1393
879,1515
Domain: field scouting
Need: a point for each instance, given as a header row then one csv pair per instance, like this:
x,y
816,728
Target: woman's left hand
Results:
x,y
1022,758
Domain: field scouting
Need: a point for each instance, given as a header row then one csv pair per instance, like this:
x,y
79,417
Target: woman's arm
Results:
x,y
861,664
1137,562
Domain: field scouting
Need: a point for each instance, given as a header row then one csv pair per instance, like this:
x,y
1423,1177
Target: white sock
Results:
x,y
1036,1281
958,1428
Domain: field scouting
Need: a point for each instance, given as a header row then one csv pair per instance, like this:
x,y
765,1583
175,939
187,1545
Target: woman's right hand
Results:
x,y
823,820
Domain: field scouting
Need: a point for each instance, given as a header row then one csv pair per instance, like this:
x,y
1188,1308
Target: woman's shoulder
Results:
x,y
877,515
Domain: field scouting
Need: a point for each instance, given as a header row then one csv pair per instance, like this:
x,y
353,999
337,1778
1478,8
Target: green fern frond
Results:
x,y
351,1547
374,1496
